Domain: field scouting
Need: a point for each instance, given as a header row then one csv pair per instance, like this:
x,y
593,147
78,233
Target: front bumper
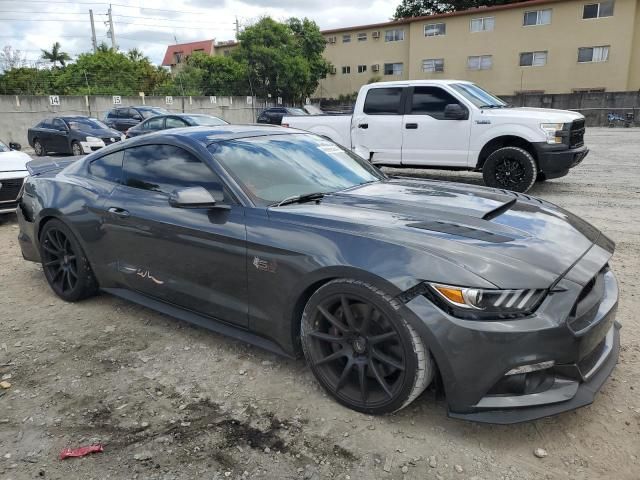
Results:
x,y
473,357
91,146
555,160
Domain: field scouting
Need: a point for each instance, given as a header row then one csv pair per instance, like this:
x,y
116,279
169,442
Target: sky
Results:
x,y
30,25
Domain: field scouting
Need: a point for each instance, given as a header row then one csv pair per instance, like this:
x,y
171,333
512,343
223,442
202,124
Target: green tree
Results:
x,y
56,55
220,75
417,8
136,55
28,81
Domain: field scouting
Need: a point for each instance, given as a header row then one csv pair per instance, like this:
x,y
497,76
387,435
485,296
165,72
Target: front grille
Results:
x,y
586,307
576,134
9,189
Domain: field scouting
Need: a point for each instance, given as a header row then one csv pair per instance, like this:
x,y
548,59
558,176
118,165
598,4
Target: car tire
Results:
x,y
76,149
541,177
64,263
361,350
38,148
510,168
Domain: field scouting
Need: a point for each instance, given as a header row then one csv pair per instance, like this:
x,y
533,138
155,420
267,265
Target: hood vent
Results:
x,y
462,231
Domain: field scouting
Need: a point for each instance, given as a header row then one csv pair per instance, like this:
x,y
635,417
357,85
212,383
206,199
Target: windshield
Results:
x,y
272,168
85,124
152,112
476,95
296,111
205,120
3,147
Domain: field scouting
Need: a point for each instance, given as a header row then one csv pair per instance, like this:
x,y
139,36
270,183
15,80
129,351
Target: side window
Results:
x,y
431,101
154,124
173,122
111,114
108,167
59,124
165,168
383,101
122,113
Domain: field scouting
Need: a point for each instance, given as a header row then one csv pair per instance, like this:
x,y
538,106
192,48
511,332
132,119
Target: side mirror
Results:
x,y
196,197
15,146
455,111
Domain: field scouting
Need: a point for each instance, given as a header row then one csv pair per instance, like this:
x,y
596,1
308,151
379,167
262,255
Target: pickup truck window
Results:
x,y
476,95
383,101
431,101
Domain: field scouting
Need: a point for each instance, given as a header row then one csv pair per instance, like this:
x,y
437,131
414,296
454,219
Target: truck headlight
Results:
x,y
478,303
553,132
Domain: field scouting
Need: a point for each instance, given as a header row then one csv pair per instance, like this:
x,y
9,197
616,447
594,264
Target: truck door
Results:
x,y
436,128
377,130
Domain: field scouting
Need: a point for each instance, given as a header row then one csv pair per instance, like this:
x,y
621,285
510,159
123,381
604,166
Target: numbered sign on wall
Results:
x,y
279,100
213,99
307,101
168,100
117,100
54,100
249,100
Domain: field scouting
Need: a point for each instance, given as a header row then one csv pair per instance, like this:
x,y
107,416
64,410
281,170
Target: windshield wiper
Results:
x,y
307,197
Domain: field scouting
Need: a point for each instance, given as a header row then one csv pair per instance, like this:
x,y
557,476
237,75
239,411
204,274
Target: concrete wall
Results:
x,y
19,113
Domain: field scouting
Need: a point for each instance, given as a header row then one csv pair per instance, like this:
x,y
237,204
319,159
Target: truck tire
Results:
x,y
510,168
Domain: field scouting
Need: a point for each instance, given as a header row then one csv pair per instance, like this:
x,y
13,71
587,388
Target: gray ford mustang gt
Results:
x,y
387,285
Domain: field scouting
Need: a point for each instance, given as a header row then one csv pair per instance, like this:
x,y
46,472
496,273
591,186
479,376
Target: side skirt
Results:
x,y
205,322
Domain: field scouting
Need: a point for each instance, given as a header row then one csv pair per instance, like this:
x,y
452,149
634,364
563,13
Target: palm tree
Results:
x,y
56,55
136,55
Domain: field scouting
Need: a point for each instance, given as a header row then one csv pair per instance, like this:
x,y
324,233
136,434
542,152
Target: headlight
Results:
x,y
553,132
93,139
477,303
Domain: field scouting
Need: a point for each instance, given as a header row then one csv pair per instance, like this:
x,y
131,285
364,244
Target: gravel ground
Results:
x,y
171,401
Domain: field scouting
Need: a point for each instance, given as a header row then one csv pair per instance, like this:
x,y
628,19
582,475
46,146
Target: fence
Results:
x,y
19,113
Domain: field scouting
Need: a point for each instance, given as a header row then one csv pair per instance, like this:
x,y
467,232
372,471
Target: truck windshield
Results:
x,y
479,97
273,168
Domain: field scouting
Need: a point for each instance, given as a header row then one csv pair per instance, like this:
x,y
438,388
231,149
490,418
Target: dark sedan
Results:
x,y
274,115
286,240
165,122
123,118
74,134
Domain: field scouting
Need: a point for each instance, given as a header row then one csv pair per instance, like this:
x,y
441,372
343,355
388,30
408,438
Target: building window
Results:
x,y
533,59
362,68
593,54
394,35
598,10
480,62
178,57
346,38
346,70
433,65
483,24
362,37
538,17
435,29
393,68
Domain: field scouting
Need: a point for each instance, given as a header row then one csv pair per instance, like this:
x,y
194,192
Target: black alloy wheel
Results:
x,y
366,358
38,148
65,267
510,168
509,173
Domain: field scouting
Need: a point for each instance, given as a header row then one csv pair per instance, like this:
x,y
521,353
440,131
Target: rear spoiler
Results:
x,y
49,165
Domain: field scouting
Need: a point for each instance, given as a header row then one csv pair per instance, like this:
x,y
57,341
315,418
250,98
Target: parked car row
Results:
x,y
13,170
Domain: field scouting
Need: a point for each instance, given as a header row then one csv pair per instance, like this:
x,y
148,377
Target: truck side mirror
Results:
x,y
455,111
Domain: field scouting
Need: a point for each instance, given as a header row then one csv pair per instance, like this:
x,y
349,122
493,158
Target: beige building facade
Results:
x,y
550,46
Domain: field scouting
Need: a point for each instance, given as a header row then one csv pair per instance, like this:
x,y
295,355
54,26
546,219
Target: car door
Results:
x,y
376,130
194,258
429,137
59,137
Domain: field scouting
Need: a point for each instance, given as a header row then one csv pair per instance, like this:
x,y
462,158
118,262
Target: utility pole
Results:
x,y
93,32
237,28
112,33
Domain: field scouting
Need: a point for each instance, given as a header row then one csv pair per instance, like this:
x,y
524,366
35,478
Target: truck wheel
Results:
x,y
511,168
38,148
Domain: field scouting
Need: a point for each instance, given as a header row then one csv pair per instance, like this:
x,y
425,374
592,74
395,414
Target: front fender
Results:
x,y
483,137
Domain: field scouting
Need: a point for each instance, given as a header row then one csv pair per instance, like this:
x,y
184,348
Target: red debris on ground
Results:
x,y
81,451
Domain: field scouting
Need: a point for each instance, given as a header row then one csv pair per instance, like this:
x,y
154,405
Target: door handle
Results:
x,y
120,212
411,126
364,126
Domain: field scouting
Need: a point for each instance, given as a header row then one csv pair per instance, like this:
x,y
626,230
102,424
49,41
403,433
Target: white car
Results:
x,y
13,170
455,125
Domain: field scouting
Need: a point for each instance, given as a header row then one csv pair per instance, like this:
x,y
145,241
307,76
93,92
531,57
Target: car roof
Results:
x,y
405,83
74,117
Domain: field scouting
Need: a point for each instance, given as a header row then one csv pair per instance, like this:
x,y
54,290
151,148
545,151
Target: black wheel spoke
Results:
x,y
326,337
333,320
68,278
50,249
72,271
344,375
387,360
51,263
57,274
362,378
54,241
366,318
380,379
383,337
347,312
330,358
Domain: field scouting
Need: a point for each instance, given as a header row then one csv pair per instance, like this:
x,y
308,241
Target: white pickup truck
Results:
x,y
455,125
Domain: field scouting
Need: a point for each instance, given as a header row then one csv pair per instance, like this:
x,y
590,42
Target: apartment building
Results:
x,y
177,55
550,46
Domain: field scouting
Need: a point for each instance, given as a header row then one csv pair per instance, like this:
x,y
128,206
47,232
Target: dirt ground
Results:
x,y
171,401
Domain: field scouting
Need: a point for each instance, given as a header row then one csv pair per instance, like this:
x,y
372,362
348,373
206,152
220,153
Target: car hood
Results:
x,y
508,239
13,161
544,115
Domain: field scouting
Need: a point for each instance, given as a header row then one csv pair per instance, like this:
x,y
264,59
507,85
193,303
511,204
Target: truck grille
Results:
x,y
576,134
9,189
586,307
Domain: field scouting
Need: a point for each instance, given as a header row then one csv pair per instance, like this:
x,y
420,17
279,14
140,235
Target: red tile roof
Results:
x,y
186,49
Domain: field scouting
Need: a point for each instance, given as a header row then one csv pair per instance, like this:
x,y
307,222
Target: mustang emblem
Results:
x,y
264,265
146,274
